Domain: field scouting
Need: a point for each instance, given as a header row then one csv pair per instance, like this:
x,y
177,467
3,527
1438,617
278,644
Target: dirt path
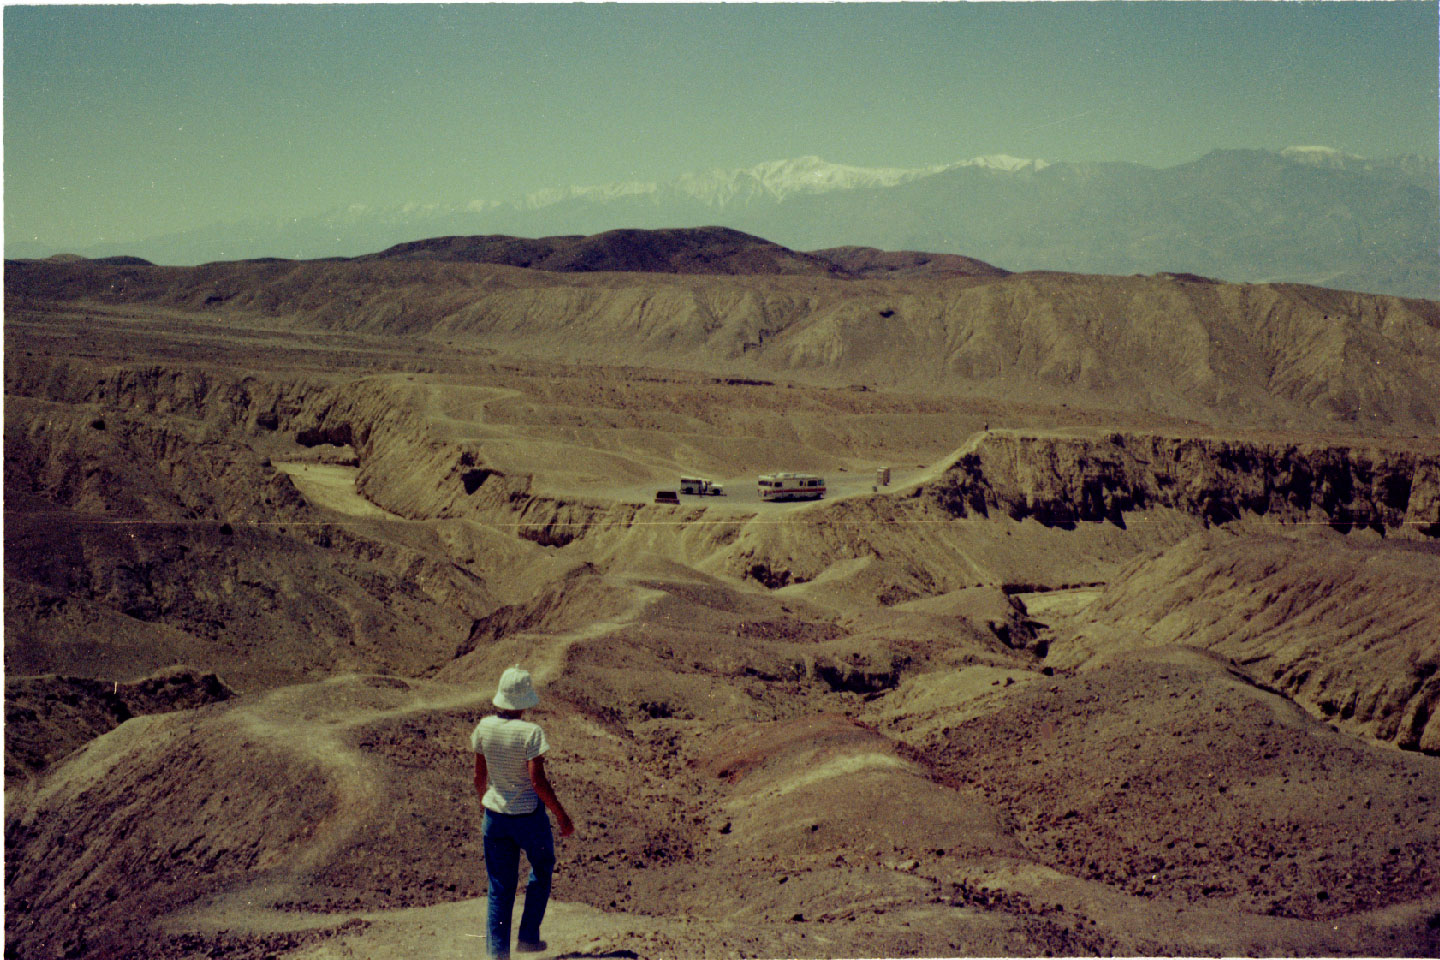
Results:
x,y
287,721
297,721
446,931
459,411
549,663
1058,603
332,486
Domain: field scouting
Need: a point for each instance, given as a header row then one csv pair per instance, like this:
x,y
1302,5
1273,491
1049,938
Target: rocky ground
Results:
x,y
1085,679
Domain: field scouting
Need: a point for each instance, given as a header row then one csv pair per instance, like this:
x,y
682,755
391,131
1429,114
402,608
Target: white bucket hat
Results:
x,y
516,692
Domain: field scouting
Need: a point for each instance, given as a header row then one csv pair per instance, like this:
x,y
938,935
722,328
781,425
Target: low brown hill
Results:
x,y
124,260
873,262
119,260
1269,355
703,250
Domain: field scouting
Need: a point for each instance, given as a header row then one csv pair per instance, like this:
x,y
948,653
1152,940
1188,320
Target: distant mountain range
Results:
x,y
1304,214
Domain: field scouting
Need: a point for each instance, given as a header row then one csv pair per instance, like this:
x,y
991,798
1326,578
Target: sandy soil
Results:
x,y
872,725
332,487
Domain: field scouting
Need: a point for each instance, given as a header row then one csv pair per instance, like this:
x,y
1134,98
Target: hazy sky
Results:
x,y
128,121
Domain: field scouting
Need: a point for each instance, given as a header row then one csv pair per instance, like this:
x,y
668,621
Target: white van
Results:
x,y
701,487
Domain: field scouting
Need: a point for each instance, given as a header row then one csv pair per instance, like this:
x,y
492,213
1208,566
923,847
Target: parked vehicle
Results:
x,y
700,487
791,486
666,496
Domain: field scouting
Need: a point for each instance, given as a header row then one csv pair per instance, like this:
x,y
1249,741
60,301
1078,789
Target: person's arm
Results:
x,y
481,775
547,795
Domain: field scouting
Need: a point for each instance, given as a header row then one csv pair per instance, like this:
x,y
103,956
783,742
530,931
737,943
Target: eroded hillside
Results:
x,y
1348,631
1171,344
1079,680
1219,479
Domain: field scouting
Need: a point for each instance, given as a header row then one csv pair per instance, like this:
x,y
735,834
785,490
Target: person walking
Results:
x,y
511,782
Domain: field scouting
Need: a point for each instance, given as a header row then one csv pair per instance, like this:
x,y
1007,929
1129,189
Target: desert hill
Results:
x,y
1135,654
703,250
1172,345
869,261
123,260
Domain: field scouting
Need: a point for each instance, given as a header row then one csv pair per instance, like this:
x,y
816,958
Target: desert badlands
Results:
x,y
1136,652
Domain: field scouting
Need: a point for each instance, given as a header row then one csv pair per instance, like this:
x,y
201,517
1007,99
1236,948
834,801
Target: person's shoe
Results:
x,y
530,946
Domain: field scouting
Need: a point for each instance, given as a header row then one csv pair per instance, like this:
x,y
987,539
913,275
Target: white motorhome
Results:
x,y
791,486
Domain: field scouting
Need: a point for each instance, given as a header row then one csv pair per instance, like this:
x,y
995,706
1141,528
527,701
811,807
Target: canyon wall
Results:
x,y
1063,480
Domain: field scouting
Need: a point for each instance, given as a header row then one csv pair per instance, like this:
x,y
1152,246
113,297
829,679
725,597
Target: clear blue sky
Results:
x,y
128,121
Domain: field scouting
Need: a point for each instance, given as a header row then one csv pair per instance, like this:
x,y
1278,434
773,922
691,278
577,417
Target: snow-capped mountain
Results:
x,y
1004,163
1308,214
1321,156
773,180
779,179
1409,166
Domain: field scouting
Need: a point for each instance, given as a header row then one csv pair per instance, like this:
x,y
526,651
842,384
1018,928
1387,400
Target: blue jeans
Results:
x,y
505,836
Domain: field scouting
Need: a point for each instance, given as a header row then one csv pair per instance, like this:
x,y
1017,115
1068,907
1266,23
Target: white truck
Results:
x,y
701,487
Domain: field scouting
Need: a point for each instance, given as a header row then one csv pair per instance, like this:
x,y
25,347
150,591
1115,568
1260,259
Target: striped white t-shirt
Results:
x,y
508,746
